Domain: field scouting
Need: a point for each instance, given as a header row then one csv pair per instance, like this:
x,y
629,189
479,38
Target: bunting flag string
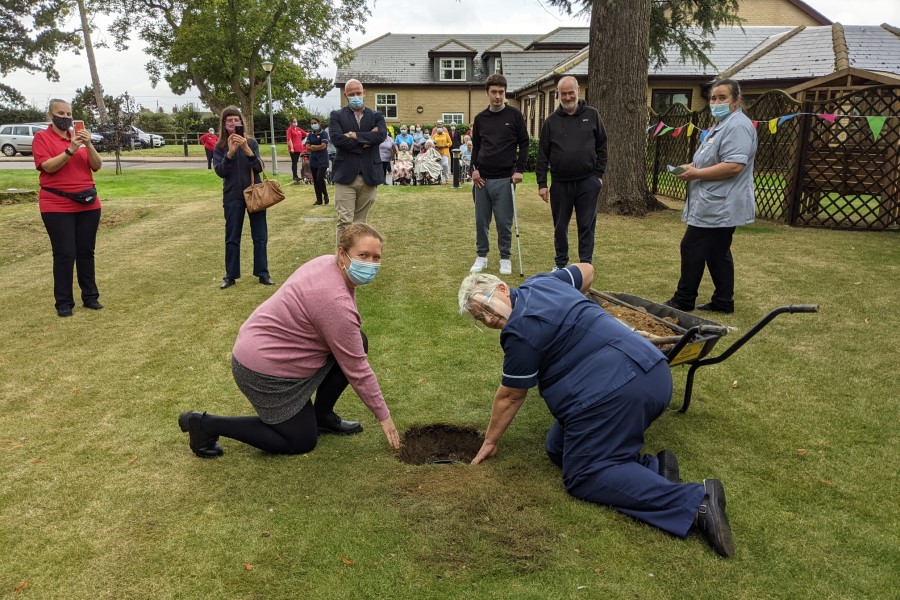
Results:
x,y
876,124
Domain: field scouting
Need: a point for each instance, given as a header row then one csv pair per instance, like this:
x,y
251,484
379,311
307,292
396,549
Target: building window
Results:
x,y
662,100
449,118
498,65
453,69
387,104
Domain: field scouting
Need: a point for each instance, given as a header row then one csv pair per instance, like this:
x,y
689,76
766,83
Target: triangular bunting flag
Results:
x,y
755,123
666,130
704,134
690,130
787,118
773,126
659,128
830,117
875,124
677,132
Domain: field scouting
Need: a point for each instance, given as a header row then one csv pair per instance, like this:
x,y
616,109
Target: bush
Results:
x,y
21,115
155,122
531,163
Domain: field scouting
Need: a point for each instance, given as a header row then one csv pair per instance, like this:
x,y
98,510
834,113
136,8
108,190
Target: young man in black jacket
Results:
x,y
573,145
499,152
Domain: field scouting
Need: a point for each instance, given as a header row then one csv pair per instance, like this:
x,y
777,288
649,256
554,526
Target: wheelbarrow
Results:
x,y
693,337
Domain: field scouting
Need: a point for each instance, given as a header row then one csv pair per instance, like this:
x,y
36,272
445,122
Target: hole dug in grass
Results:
x,y
439,443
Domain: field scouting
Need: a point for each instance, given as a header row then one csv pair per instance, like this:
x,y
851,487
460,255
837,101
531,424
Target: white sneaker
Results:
x,y
480,264
505,267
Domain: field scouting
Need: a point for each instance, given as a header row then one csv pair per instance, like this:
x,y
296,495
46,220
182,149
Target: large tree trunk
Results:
x,y
92,63
617,87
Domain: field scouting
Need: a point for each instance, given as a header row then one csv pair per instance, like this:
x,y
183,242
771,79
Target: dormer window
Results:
x,y
453,69
498,65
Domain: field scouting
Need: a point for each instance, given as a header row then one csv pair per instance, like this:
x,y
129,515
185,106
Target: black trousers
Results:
x,y
319,184
581,196
295,157
73,237
297,435
710,247
209,157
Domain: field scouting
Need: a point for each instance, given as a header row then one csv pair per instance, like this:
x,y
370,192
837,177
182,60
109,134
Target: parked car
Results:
x,y
148,140
17,138
112,137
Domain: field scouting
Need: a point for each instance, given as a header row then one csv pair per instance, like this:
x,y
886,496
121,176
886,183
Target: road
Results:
x,y
19,162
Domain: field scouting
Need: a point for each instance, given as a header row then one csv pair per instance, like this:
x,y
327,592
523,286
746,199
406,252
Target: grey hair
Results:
x,y
733,86
476,283
55,101
429,142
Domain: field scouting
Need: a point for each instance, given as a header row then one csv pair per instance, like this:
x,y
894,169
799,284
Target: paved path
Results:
x,y
18,163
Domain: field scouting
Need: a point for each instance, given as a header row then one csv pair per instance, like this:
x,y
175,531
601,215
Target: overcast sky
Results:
x,y
124,71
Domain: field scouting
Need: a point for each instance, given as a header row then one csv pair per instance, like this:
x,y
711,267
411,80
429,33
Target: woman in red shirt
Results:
x,y
295,136
209,140
69,204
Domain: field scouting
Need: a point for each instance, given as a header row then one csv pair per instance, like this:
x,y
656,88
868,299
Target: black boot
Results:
x,y
203,444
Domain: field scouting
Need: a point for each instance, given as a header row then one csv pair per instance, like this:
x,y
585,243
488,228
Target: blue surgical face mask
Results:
x,y
355,102
720,111
362,272
403,131
314,126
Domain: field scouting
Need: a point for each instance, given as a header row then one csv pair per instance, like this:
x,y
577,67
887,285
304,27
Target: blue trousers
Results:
x,y
259,233
494,199
599,452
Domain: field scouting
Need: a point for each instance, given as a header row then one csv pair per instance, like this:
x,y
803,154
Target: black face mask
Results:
x,y
62,122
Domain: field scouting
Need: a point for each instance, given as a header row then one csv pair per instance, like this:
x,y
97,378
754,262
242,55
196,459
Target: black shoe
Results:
x,y
338,426
203,444
227,283
712,521
668,465
711,308
64,312
266,280
93,305
676,306
317,204
326,200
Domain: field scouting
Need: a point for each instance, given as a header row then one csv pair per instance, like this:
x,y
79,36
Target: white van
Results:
x,y
17,138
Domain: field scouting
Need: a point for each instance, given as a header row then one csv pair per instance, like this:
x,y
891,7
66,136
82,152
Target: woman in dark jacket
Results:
x,y
237,157
317,145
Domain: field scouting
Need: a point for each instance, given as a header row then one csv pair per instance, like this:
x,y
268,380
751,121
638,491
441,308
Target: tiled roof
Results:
x,y
453,45
504,45
873,48
730,44
403,57
811,53
565,35
520,68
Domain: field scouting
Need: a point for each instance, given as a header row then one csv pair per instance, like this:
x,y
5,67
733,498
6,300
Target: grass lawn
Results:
x,y
101,497
194,150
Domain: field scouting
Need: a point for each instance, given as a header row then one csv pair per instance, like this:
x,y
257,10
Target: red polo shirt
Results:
x,y
296,135
209,141
74,176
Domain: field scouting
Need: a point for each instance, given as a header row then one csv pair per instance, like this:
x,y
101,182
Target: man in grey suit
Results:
x,y
356,132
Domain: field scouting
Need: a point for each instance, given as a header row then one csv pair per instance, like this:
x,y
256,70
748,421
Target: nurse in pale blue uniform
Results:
x,y
720,197
605,385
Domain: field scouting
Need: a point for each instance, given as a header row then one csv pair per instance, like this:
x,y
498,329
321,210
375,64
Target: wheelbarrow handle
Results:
x,y
803,308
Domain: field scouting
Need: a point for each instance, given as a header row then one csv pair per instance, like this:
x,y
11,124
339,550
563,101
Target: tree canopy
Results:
x,y
674,23
218,46
30,36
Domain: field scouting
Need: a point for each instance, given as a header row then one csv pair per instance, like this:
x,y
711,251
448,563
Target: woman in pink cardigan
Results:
x,y
305,339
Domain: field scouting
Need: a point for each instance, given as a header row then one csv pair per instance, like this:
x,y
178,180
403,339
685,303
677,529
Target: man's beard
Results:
x,y
569,106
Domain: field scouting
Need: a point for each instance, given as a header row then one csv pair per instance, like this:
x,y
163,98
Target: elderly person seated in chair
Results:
x,y
428,164
403,165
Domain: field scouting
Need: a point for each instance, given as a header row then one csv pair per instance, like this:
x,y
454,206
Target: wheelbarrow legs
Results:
x,y
689,384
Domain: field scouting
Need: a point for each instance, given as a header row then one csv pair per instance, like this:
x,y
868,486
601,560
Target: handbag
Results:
x,y
260,196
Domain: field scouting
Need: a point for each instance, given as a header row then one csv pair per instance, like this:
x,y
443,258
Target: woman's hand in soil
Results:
x,y
488,449
390,431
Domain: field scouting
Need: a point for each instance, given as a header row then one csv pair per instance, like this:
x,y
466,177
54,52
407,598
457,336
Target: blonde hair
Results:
x,y
476,283
355,231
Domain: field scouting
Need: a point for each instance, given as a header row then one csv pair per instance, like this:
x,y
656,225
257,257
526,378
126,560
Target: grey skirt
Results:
x,y
277,399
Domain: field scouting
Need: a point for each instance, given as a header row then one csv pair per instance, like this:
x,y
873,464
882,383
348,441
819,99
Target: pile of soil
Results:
x,y
439,443
641,320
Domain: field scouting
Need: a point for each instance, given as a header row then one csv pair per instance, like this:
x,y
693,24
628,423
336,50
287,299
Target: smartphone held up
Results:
x,y
239,129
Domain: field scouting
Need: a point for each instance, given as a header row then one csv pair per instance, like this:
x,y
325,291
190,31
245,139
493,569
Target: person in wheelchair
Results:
x,y
428,165
403,166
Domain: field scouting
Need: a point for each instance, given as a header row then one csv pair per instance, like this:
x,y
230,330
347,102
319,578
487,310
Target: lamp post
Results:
x,y
267,67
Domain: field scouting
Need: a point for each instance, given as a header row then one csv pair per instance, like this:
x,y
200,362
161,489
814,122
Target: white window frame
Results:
x,y
450,118
498,65
453,65
383,105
